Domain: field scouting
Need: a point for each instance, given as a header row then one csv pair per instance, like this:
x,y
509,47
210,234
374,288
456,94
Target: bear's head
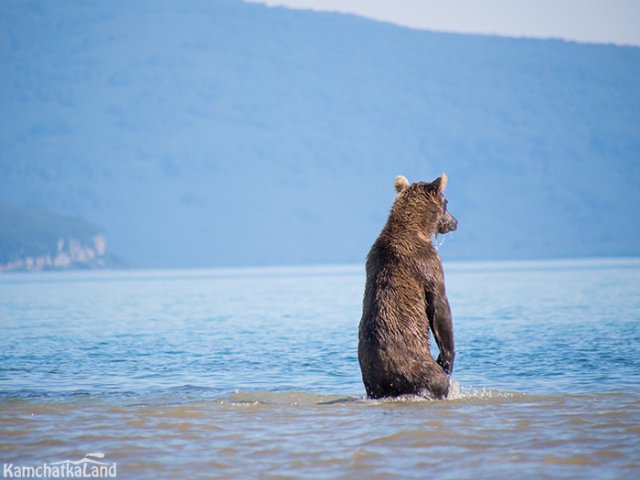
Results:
x,y
423,205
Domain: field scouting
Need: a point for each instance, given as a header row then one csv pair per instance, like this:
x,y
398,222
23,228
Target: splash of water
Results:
x,y
439,241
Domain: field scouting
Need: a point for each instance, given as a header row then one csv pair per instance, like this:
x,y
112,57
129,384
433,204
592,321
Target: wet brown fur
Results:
x,y
405,297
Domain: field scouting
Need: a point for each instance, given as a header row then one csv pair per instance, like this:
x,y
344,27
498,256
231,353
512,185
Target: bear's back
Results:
x,y
394,331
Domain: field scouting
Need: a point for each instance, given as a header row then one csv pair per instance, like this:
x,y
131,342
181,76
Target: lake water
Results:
x,y
242,373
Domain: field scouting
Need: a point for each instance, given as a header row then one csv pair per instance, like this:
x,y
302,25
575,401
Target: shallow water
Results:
x,y
253,373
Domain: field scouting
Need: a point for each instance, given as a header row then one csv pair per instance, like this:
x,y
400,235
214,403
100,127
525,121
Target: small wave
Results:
x,y
294,398
301,398
188,394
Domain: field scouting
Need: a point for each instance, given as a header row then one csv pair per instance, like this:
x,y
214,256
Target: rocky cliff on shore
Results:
x,y
34,240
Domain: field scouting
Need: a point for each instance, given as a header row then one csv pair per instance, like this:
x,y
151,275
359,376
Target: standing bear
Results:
x,y
405,296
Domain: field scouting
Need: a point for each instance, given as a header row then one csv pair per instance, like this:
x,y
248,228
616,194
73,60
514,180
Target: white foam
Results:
x,y
458,392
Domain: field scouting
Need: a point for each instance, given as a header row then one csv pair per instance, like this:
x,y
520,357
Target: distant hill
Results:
x,y
225,133
36,240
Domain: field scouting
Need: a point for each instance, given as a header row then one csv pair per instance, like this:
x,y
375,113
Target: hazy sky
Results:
x,y
601,21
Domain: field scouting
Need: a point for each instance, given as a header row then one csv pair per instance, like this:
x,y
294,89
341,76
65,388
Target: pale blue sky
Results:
x,y
600,21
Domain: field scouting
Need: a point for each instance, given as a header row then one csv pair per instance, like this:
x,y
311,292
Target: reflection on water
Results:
x,y
241,373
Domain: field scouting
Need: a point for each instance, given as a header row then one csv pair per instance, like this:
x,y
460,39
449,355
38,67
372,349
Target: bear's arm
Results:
x,y
439,315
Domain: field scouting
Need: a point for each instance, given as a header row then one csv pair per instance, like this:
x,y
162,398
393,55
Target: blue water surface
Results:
x,y
532,327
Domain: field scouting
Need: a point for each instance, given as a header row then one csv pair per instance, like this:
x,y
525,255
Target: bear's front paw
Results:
x,y
446,366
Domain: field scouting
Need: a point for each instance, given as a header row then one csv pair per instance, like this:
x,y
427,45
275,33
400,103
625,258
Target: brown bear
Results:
x,y
405,296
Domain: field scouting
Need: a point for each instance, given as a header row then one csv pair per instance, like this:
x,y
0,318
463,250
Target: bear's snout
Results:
x,y
447,224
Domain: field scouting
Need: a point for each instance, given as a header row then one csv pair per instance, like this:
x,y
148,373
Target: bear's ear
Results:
x,y
441,182
400,183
